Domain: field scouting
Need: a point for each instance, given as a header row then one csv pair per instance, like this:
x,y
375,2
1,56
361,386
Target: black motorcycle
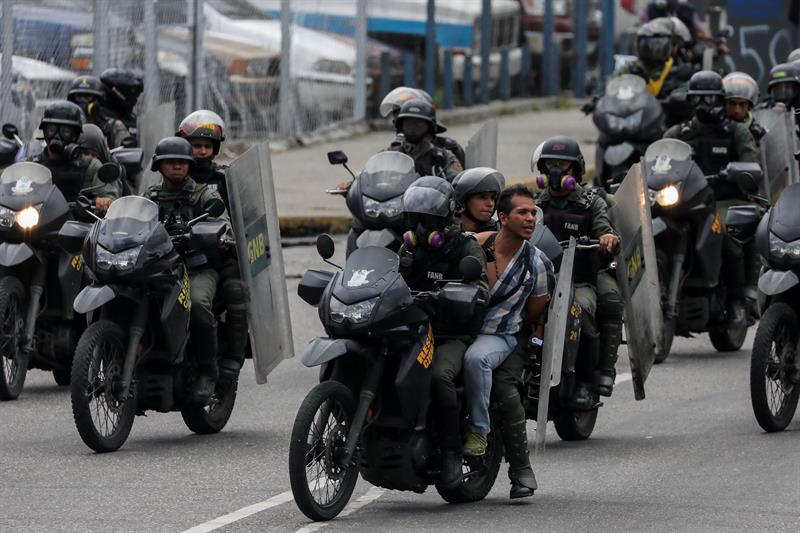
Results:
x,y
689,238
774,362
134,354
375,199
371,412
39,280
628,119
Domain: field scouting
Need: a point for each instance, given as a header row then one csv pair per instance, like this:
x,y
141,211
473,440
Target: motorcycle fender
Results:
x,y
413,380
321,350
70,277
773,282
659,226
93,297
14,254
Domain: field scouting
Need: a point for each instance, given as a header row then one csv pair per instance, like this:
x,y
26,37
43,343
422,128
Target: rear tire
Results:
x,y
13,359
576,425
727,338
476,486
103,421
774,386
318,436
211,418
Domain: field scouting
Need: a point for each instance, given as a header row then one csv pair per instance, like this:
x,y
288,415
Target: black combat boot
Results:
x,y
610,338
452,463
204,348
510,416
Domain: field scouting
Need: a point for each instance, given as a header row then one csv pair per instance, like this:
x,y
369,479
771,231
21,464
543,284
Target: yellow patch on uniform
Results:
x,y
425,356
716,226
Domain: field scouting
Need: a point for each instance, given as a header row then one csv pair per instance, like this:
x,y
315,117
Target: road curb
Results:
x,y
310,226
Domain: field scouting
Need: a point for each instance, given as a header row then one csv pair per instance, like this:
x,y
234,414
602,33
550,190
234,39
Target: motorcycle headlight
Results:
x,y
27,218
780,249
668,196
356,313
7,217
390,208
124,260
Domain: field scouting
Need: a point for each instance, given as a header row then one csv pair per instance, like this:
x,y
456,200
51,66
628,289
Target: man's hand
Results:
x,y
609,242
101,205
343,186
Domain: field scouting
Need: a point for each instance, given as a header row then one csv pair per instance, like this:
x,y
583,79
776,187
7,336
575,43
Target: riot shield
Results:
x,y
254,215
637,275
153,125
554,338
777,149
481,150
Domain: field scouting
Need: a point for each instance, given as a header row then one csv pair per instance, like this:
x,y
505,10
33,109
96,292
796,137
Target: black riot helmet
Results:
x,y
123,88
706,95
421,111
561,148
654,41
61,125
475,181
172,148
784,83
86,85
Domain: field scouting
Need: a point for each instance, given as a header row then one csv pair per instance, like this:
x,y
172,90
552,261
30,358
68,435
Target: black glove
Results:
x,y
588,107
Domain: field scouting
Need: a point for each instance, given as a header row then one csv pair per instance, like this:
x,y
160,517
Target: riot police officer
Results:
x,y
205,131
72,171
476,192
432,248
417,122
90,94
570,210
716,141
655,47
784,85
741,96
180,199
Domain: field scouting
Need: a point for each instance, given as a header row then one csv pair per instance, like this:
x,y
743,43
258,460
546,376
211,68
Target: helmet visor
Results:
x,y
784,92
654,48
396,98
68,134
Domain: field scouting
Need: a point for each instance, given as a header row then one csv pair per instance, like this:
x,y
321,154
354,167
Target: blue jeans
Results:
x,y
484,355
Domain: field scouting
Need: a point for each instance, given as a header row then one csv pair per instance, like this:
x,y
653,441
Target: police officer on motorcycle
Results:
x,y
417,122
205,131
90,94
656,47
72,171
476,191
741,96
784,85
180,199
570,210
717,141
432,248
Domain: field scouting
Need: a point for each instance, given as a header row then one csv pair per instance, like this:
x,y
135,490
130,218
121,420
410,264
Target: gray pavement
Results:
x,y
690,457
303,174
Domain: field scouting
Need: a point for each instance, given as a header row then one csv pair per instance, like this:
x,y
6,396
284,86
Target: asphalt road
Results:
x,y
690,457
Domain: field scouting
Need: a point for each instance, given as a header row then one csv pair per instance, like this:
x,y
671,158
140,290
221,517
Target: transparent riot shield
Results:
x,y
777,149
254,215
554,338
637,275
481,150
154,125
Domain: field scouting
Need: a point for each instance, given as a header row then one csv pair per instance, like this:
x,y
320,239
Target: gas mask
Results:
x,y
414,130
556,179
61,140
708,108
424,232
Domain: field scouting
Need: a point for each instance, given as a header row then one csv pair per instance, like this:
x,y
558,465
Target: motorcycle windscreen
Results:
x,y
387,175
254,215
481,150
154,125
777,148
555,332
637,275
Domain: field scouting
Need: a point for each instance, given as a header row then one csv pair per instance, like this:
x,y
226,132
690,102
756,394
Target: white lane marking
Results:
x,y
244,512
622,378
370,496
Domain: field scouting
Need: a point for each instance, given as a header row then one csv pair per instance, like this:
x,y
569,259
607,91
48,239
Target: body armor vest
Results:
x,y
428,163
215,180
713,149
450,144
68,176
574,219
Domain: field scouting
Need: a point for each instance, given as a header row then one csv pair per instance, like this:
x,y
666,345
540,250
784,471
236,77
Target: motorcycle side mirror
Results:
x,y
10,131
337,157
72,235
741,222
84,202
325,246
470,268
109,172
747,176
214,207
130,142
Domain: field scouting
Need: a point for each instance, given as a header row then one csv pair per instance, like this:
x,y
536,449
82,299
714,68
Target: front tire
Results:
x,y
478,479
575,425
211,418
319,437
727,338
103,421
13,359
774,375
668,333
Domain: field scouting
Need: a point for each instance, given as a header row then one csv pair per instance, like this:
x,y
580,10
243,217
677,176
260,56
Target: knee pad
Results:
x,y
235,293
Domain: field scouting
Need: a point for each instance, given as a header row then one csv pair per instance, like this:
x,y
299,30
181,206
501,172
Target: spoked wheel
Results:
x,y
576,425
103,418
13,359
668,333
211,418
321,484
774,371
479,474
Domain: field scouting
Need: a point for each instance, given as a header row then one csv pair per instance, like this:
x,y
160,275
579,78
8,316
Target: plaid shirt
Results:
x,y
529,273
